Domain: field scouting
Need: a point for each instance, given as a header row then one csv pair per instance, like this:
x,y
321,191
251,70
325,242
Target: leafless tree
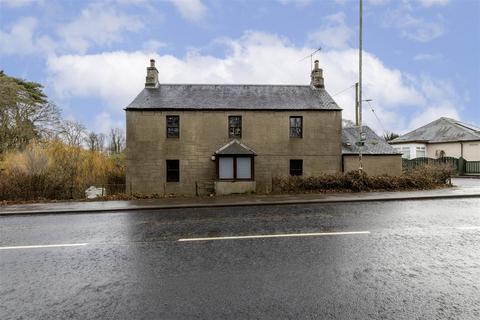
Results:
x,y
95,141
72,133
117,141
389,136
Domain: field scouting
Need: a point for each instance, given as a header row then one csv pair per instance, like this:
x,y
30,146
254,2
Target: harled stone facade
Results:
x,y
203,132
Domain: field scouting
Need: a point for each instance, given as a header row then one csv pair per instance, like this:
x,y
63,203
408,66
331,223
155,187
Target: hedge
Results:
x,y
421,178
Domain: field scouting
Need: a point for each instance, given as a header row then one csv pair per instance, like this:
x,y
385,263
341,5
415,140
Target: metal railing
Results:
x,y
472,167
409,164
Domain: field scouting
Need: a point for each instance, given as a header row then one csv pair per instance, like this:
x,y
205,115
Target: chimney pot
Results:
x,y
151,81
317,77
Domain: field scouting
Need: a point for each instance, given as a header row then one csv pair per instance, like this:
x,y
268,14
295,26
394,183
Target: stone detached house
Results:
x,y
201,138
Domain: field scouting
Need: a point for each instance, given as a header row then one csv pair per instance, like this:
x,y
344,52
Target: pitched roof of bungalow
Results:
x,y
441,130
374,145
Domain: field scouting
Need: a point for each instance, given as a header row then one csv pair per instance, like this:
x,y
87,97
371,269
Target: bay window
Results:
x,y
235,167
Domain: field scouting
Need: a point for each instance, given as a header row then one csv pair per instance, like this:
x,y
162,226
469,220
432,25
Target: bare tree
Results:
x,y
389,136
117,141
95,141
72,133
101,137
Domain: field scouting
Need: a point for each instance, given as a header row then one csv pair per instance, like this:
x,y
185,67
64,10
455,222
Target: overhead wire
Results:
x,y
342,91
378,119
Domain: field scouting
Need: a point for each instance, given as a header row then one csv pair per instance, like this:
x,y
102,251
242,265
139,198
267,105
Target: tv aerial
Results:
x,y
311,57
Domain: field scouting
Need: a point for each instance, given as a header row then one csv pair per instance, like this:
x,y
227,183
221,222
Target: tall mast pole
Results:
x,y
360,68
356,106
359,102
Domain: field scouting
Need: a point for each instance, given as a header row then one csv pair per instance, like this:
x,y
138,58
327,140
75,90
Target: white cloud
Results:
x,y
424,57
334,32
98,25
425,31
432,113
442,101
153,45
105,121
378,2
370,2
114,77
417,29
22,40
132,2
299,3
258,58
192,10
431,3
18,3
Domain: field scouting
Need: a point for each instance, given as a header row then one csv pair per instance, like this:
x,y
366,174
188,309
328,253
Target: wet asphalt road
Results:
x,y
421,260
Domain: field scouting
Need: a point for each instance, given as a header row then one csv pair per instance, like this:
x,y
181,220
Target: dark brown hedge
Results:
x,y
421,178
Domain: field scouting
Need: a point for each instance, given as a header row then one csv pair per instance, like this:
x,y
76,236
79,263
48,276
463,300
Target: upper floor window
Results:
x,y
234,126
173,126
296,127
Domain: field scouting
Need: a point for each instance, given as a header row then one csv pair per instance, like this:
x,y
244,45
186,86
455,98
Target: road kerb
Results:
x,y
238,204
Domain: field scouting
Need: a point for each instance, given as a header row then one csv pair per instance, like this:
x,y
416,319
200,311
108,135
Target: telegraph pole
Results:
x,y
361,138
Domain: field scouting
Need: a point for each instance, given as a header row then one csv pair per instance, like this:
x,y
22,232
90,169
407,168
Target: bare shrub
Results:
x,y
55,170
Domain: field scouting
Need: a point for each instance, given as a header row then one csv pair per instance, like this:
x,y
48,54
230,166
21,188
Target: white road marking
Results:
x,y
468,228
260,236
44,246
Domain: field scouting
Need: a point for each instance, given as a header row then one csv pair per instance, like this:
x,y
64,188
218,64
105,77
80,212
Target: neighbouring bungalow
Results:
x,y
444,137
193,139
378,157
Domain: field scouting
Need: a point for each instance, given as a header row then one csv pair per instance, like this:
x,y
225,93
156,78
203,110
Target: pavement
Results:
x,y
397,260
463,188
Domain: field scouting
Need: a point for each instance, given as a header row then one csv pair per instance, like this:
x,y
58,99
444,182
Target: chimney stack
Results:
x,y
317,77
151,81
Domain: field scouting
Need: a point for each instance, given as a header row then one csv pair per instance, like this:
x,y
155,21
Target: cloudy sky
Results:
x,y
421,60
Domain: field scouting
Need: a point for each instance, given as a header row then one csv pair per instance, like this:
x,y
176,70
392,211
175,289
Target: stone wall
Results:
x,y
203,132
375,164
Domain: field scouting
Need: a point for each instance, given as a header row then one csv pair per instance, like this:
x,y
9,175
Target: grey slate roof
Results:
x,y
373,144
441,130
238,97
235,147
